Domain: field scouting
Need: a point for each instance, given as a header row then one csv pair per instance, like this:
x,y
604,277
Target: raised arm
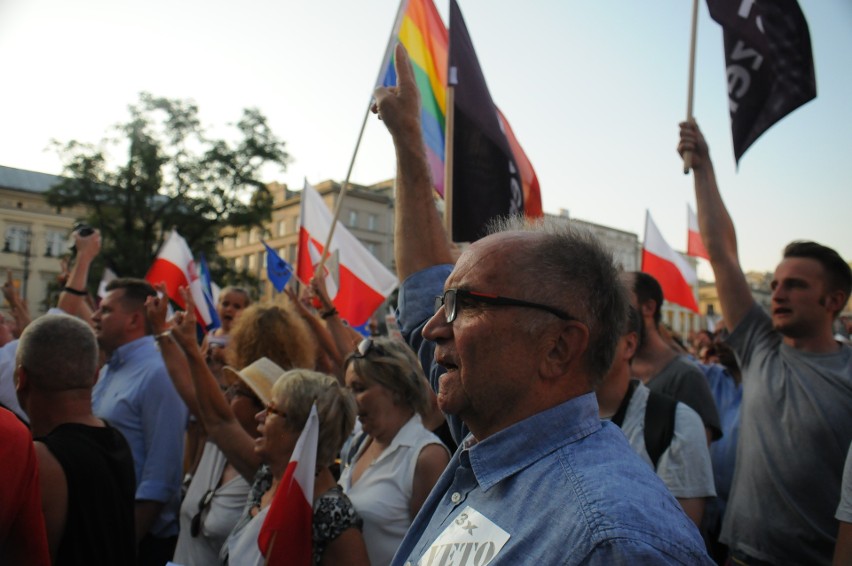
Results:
x,y
215,412
17,306
419,236
156,308
74,297
717,228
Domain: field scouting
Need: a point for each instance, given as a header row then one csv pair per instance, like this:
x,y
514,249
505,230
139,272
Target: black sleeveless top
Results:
x,y
99,470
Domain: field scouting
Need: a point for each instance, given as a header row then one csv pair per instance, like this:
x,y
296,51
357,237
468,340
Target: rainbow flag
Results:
x,y
420,29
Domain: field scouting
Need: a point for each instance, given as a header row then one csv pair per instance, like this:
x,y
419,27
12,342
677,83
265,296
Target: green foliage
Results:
x,y
174,177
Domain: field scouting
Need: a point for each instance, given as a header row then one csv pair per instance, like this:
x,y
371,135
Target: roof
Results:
x,y
23,180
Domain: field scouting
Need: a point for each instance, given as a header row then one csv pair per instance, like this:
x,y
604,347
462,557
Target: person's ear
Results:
x,y
564,350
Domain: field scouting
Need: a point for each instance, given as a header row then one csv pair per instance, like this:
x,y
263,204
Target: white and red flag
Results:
x,y
175,267
674,274
694,243
287,532
357,282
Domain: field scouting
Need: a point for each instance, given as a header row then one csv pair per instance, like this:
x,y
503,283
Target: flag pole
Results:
x,y
338,206
687,155
449,121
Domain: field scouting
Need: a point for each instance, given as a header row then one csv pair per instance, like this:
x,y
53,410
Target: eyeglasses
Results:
x,y
270,408
450,301
203,503
366,346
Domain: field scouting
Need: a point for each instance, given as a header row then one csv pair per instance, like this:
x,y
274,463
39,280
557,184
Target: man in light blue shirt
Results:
x,y
135,395
526,326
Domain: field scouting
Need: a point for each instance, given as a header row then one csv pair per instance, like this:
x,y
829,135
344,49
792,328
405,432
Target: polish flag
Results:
x,y
174,267
361,281
694,244
287,532
674,274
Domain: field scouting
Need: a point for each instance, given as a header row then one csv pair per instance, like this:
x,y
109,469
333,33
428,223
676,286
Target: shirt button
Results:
x,y
456,497
408,563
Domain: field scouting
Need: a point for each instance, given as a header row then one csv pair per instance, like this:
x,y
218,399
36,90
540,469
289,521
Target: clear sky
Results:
x,y
593,90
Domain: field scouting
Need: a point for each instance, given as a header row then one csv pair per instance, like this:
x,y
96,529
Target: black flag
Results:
x,y
486,179
769,63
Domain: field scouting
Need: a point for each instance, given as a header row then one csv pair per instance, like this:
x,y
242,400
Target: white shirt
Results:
x,y
382,495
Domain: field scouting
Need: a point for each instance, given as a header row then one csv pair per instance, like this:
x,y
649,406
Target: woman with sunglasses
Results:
x,y
398,460
241,448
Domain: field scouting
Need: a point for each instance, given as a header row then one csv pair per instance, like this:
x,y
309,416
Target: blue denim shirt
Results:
x,y
565,487
135,395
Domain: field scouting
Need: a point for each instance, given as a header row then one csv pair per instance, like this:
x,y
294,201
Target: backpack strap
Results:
x,y
659,424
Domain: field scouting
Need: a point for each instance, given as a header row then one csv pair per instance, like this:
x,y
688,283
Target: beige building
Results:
x,y
35,234
367,212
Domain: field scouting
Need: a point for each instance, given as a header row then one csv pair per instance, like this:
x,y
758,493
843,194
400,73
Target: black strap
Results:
x,y
659,424
618,417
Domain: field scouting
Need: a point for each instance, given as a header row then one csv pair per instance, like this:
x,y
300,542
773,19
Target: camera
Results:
x,y
79,228
83,229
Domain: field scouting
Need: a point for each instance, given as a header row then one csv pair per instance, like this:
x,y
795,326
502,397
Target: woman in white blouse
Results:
x,y
397,461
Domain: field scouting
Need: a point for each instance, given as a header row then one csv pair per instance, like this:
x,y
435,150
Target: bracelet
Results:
x,y
75,291
164,334
329,313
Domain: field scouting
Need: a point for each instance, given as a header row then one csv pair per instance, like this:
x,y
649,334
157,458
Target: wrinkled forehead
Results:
x,y
495,262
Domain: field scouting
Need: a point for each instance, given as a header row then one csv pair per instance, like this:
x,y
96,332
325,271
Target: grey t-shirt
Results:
x,y
844,510
683,380
685,465
796,426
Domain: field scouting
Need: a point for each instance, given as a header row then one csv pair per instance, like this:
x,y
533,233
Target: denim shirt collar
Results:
x,y
127,352
509,451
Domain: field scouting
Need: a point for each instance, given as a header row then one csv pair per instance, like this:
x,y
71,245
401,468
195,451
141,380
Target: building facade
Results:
x,y
35,234
367,212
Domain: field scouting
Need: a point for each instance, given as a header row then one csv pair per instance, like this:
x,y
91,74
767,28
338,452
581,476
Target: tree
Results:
x,y
174,177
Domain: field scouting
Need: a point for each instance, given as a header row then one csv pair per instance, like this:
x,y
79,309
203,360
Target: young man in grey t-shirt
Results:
x,y
796,414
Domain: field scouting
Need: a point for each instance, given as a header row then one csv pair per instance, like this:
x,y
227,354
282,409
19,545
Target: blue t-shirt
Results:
x,y
135,395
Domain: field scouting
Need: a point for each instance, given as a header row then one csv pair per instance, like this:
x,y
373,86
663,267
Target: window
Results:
x,y
296,223
372,221
55,243
253,235
291,254
353,218
251,262
373,249
282,227
18,239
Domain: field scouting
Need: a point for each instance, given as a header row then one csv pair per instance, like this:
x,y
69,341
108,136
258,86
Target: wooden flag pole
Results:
x,y
687,155
385,61
448,160
343,187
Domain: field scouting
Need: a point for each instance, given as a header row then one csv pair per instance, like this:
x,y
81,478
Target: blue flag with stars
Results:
x,y
278,270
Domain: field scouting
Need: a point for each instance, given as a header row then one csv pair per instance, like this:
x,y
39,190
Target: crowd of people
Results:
x,y
537,410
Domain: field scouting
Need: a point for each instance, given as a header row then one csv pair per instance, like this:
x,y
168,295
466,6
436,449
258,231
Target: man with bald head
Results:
x,y
85,465
523,328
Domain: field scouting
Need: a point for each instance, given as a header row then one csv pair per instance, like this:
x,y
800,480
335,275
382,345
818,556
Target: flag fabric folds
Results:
x,y
694,243
278,270
175,267
357,282
420,29
674,274
287,532
491,174
210,297
769,64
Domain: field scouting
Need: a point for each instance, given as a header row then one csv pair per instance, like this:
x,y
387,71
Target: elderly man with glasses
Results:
x,y
526,326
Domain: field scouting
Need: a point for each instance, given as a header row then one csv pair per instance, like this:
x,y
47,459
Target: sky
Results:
x,y
593,90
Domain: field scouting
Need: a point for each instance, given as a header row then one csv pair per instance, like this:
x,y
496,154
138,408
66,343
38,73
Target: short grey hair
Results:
x,y
297,390
58,352
570,269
